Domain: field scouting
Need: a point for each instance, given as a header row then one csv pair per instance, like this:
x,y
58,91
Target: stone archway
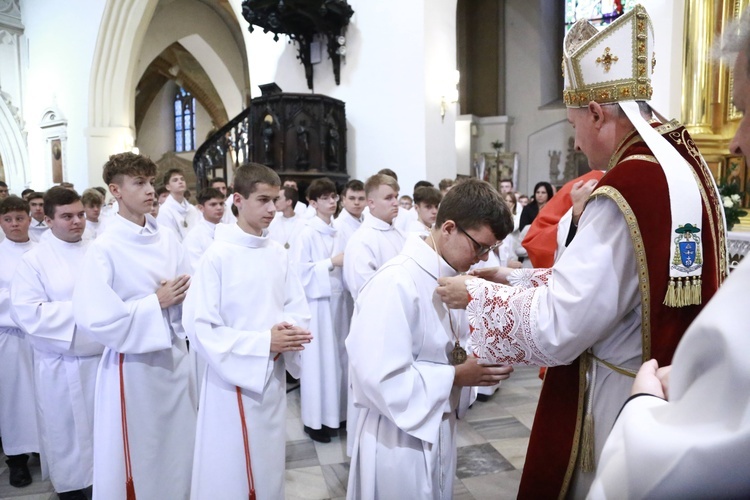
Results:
x,y
112,85
13,147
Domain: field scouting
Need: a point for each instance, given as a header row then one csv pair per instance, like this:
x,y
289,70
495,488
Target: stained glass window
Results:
x,y
184,121
598,12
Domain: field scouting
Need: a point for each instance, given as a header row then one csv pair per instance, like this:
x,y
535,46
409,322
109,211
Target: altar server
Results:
x,y
176,213
65,358
241,435
211,206
409,369
36,206
350,218
92,204
18,427
286,223
377,240
129,297
318,263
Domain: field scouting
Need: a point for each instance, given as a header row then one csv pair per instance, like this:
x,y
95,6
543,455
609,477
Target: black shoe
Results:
x,y
331,430
483,398
19,471
319,435
72,495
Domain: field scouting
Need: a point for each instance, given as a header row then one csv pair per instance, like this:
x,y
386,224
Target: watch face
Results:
x,y
341,39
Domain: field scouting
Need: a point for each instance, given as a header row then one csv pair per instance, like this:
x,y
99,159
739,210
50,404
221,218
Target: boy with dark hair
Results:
x,y
445,185
353,201
323,386
176,213
17,407
92,204
3,190
426,202
287,223
162,194
408,366
211,205
220,183
36,211
129,297
65,358
26,192
241,435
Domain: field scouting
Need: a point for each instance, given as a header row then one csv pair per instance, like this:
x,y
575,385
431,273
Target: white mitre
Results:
x,y
612,65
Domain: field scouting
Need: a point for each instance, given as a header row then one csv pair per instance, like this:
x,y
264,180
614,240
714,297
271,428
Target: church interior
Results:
x,y
432,89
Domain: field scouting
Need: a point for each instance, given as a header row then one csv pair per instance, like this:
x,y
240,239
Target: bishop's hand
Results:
x,y
452,291
494,274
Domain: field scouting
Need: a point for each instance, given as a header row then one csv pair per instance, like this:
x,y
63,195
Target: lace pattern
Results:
x,y
529,278
502,324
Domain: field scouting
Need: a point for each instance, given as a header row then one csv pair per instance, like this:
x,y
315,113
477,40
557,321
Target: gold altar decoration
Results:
x,y
707,109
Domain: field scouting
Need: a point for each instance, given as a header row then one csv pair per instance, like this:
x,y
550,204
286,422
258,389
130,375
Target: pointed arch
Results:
x,y
13,147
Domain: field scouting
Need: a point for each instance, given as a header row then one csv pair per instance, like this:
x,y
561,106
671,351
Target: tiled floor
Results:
x,y
492,442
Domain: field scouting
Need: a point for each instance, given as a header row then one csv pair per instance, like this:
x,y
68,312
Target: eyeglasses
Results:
x,y
480,250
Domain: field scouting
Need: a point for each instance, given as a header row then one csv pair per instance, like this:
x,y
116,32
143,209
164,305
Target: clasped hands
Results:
x,y
652,380
287,337
453,292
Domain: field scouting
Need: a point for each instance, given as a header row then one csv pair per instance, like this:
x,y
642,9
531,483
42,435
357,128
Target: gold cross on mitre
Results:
x,y
607,59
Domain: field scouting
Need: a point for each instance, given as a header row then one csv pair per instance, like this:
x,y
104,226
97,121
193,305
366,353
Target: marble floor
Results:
x,y
492,441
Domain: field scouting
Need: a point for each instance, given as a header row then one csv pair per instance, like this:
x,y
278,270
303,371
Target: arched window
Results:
x,y
184,121
598,12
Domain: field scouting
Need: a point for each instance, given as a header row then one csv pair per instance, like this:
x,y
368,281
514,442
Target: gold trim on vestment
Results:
x,y
710,200
582,369
640,255
648,158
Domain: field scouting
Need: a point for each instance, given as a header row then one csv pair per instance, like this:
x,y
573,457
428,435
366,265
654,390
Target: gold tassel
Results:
x,y
587,444
669,299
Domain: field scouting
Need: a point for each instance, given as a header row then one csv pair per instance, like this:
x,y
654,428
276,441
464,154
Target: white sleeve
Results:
x,y
242,358
134,326
359,265
36,314
314,275
411,393
592,287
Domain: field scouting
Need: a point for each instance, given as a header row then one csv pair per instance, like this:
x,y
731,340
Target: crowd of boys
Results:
x,y
146,343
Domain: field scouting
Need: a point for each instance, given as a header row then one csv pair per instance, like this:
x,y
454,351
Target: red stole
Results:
x,y
636,183
541,240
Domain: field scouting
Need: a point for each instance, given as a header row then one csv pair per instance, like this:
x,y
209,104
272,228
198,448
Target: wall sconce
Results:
x,y
451,96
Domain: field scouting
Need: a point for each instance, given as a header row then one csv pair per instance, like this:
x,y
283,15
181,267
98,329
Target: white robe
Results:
x,y
115,301
374,243
242,287
179,217
17,408
196,243
37,229
323,384
345,225
284,230
399,347
416,227
228,217
65,360
697,445
198,240
403,218
93,229
589,299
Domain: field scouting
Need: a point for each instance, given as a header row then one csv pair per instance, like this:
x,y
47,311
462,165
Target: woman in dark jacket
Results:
x,y
542,194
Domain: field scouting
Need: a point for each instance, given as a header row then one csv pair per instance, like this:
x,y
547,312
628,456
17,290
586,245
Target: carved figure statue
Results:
x,y
303,145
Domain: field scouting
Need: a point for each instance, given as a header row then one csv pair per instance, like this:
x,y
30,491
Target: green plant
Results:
x,y
496,145
732,201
